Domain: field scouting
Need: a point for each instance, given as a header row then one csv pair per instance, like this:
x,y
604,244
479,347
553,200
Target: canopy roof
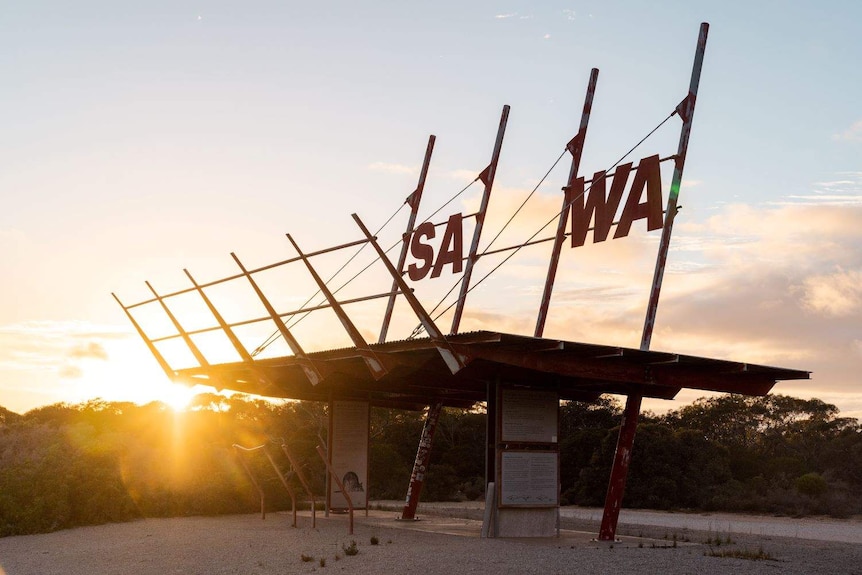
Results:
x,y
415,372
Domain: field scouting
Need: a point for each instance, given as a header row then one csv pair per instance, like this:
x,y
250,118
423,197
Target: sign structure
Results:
x,y
529,479
450,368
349,453
529,416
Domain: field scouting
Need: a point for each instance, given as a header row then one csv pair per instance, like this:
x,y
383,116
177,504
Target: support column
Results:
x,y
423,459
620,469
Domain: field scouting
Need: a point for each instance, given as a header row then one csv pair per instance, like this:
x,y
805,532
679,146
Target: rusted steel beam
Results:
x,y
149,343
620,469
489,173
312,372
420,464
685,109
186,338
454,362
413,201
576,148
374,363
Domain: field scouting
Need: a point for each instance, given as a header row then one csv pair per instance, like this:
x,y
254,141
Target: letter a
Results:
x,y
649,176
454,255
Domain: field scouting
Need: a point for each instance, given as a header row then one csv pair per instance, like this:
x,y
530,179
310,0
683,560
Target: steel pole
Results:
x,y
423,458
413,200
480,220
686,111
626,439
576,148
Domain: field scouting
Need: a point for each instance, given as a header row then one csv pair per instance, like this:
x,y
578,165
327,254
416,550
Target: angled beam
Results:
x,y
374,364
576,148
413,200
237,345
311,370
202,361
150,345
234,340
487,177
454,361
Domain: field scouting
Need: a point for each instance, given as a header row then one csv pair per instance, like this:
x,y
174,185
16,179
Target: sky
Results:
x,y
140,139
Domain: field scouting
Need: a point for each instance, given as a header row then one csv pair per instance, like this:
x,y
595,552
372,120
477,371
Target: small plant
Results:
x,y
640,545
351,549
751,554
322,562
338,556
306,558
375,540
389,540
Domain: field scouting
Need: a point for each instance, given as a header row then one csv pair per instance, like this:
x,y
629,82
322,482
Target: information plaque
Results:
x,y
529,416
529,479
350,452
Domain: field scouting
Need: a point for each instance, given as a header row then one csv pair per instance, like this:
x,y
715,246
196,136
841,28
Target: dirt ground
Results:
x,y
445,540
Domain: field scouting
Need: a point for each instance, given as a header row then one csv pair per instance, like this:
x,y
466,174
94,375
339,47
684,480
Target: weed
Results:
x,y
389,540
640,545
338,557
374,540
306,558
751,554
322,562
351,549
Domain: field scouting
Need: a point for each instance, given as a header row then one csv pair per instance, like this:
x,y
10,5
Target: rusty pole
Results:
x,y
625,441
487,177
413,200
423,458
685,109
576,148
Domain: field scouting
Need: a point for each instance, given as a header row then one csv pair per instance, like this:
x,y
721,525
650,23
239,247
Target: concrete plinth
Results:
x,y
526,522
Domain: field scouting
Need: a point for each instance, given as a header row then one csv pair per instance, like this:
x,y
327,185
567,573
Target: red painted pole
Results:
x,y
423,458
620,470
686,111
626,439
576,148
413,200
487,177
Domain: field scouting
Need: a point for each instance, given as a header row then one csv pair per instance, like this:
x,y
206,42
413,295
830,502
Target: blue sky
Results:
x,y
142,139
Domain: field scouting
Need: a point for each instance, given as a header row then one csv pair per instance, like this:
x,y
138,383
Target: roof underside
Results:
x,y
417,375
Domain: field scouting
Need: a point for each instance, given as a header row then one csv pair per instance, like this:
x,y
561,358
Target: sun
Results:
x,y
178,396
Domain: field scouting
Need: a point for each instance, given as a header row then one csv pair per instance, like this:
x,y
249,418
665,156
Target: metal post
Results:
x,y
150,345
413,200
423,458
576,148
625,441
686,111
298,471
619,472
487,177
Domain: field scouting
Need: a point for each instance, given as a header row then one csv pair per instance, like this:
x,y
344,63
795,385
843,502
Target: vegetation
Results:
x,y
67,465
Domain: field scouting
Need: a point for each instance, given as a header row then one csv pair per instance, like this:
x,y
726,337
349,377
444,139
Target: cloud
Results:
x,y
546,37
90,350
836,294
851,134
389,168
506,16
570,15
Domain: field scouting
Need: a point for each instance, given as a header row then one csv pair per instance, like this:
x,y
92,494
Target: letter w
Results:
x,y
597,207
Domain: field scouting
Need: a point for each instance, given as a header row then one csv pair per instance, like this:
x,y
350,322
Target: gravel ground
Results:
x,y
445,543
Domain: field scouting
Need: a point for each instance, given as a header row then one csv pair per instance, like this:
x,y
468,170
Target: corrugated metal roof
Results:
x,y
416,373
